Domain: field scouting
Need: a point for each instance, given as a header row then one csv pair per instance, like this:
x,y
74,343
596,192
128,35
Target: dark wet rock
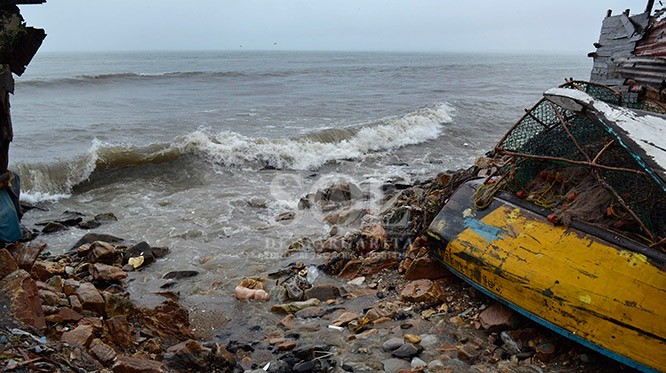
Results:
x,y
140,249
285,216
89,224
372,264
92,237
54,227
22,296
407,350
322,292
159,251
70,218
304,203
106,217
179,275
305,366
310,312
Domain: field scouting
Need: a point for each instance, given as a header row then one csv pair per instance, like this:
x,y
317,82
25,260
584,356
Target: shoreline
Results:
x,y
375,283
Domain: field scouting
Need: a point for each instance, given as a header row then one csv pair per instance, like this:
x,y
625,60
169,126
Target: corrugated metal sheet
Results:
x,y
650,71
653,43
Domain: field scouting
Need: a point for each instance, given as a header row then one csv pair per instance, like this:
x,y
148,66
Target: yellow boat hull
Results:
x,y
599,293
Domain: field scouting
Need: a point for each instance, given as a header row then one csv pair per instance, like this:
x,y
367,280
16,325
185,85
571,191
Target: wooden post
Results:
x,y
648,8
6,131
609,13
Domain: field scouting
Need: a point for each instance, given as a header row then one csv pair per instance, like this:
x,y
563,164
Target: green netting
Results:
x,y
543,169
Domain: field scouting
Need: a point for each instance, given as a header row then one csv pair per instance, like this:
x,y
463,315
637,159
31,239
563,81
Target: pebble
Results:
x,y
392,344
394,365
286,346
411,338
358,281
418,363
429,341
407,350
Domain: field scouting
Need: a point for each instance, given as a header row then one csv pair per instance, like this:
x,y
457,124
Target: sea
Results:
x,y
201,151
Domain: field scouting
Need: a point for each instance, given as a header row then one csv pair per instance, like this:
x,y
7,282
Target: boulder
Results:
x,y
21,292
92,237
422,291
81,336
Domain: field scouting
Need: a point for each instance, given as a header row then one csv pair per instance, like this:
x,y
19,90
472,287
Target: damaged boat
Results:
x,y
568,226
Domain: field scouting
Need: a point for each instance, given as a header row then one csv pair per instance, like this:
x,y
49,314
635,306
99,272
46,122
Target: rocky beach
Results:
x,y
369,297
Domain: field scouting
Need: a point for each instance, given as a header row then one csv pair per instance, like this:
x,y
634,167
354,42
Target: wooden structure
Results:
x,y
631,53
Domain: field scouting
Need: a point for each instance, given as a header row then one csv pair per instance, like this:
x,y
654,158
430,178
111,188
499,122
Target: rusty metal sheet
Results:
x,y
653,43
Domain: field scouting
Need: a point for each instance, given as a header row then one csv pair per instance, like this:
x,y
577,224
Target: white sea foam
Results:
x,y
233,149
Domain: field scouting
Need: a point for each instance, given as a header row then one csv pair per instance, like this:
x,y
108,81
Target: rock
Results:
x,y
383,309
92,237
141,249
286,346
345,318
49,298
42,270
91,300
117,304
70,218
7,263
67,314
188,355
374,263
178,275
395,365
407,351
310,312
436,366
425,268
102,252
371,238
102,352
81,336
545,351
285,216
57,283
75,303
107,273
392,344
417,363
287,322
53,227
221,358
69,286
169,321
295,306
125,364
120,330
358,281
23,298
106,217
89,224
468,352
304,204
25,254
322,292
422,291
428,341
498,317
413,339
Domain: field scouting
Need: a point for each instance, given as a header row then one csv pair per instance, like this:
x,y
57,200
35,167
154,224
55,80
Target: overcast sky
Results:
x,y
369,25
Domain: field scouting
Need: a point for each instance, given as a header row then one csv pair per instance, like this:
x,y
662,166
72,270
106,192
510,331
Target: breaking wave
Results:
x,y
50,182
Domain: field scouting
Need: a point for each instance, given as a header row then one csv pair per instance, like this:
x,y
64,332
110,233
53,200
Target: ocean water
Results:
x,y
200,151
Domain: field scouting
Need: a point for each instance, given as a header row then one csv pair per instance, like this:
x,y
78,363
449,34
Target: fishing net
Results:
x,y
570,163
632,100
